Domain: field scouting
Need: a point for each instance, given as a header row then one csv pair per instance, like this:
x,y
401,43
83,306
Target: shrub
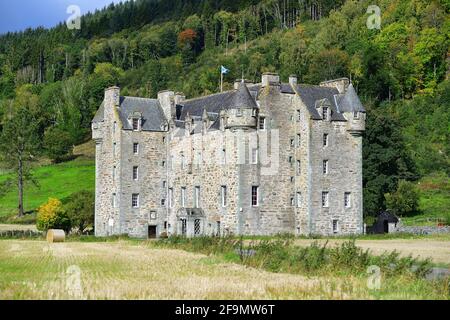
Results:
x,y
52,216
404,201
80,209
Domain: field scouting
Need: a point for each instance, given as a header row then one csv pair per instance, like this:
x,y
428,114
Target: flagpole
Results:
x,y
221,80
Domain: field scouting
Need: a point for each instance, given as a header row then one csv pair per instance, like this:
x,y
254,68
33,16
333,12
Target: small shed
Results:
x,y
386,223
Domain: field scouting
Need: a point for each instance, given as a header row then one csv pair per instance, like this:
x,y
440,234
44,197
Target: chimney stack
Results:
x,y
293,80
270,79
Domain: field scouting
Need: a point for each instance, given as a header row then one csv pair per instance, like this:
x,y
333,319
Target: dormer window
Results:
x,y
355,115
239,112
325,113
136,124
262,123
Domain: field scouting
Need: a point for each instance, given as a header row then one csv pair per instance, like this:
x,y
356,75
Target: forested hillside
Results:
x,y
401,71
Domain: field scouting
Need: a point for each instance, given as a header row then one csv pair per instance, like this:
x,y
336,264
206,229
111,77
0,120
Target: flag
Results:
x,y
224,70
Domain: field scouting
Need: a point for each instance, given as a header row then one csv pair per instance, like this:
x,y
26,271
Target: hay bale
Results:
x,y
55,235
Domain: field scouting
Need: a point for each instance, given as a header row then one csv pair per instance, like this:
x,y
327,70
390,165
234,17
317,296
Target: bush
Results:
x,y
52,216
80,209
404,201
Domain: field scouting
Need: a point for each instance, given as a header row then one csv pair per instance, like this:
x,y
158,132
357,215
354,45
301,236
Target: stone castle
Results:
x,y
261,159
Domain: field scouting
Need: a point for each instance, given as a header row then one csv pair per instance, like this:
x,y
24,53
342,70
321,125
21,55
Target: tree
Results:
x,y
57,143
19,146
405,200
80,209
385,160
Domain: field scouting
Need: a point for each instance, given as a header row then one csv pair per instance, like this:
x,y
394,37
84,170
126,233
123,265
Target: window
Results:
x,y
183,197
325,199
348,199
224,156
135,200
163,202
218,229
197,227
164,139
325,113
197,197
114,149
164,185
292,179
136,148
183,227
170,197
262,123
136,124
255,196
153,215
325,140
299,140
183,162
290,159
325,167
114,200
292,143
135,173
335,226
115,127
299,167
224,196
239,112
299,115
114,173
255,156
292,201
163,164
299,199
355,115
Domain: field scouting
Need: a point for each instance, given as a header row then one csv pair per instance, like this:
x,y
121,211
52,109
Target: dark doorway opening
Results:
x,y
152,232
386,226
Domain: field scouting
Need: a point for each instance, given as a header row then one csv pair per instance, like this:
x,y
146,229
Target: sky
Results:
x,y
17,15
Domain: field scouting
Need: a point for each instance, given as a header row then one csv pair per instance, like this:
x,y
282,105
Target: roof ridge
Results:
x,y
210,95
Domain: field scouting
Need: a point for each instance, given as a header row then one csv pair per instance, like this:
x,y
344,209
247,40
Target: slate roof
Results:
x,y
100,115
349,102
311,94
150,109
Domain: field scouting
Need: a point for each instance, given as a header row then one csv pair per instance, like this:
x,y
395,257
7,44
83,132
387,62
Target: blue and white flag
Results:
x,y
224,70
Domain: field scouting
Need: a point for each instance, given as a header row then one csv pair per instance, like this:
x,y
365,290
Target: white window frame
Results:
x,y
325,199
299,199
262,123
135,201
135,173
325,113
224,195
170,197
197,194
335,226
114,200
326,167
347,200
326,140
138,124
299,167
135,148
255,196
183,197
255,155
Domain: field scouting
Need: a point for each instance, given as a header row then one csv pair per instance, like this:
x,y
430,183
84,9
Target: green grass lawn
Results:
x,y
55,181
434,200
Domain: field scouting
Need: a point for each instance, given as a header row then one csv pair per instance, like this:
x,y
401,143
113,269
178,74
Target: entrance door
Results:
x,y
386,226
152,232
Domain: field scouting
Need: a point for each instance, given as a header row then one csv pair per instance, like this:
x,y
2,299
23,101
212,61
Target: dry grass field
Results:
x,y
137,270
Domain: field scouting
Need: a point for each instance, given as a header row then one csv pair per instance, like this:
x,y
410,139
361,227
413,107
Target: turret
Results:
x,y
353,111
241,113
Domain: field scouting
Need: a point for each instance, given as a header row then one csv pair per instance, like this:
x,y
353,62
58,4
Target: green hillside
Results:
x,y
54,181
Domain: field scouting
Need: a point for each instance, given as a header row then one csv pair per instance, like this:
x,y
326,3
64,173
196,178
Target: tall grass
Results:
x,y
281,255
